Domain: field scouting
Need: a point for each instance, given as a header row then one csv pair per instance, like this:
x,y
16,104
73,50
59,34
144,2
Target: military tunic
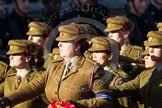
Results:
x,y
74,86
149,83
122,102
8,86
133,52
3,71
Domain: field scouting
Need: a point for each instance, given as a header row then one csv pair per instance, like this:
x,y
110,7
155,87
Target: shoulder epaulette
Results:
x,y
88,59
137,47
3,64
11,72
57,60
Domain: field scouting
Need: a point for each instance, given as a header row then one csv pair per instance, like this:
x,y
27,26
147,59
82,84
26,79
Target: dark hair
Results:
x,y
84,45
37,59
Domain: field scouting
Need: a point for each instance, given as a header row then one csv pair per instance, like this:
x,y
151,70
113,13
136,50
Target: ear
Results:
x,y
28,58
77,47
110,57
126,34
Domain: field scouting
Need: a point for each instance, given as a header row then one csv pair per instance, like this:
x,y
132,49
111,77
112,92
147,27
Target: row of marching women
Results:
x,y
85,70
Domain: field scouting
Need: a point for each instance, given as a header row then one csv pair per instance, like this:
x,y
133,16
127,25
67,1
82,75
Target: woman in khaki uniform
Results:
x,y
3,68
81,83
120,29
102,54
25,59
149,81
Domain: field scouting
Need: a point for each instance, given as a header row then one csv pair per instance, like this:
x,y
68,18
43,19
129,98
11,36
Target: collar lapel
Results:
x,y
75,67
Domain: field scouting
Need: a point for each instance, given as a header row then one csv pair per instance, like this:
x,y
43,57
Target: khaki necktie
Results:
x,y
66,69
18,81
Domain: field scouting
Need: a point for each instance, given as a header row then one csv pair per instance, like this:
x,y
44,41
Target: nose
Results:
x,y
10,57
110,34
30,38
146,57
94,55
151,50
60,44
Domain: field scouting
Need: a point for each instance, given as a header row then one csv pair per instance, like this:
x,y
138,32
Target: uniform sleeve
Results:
x,y
28,91
102,98
2,89
126,88
130,85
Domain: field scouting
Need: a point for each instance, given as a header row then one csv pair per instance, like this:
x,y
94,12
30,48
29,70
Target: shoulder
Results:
x,y
3,64
121,73
54,64
146,72
88,60
88,63
135,47
11,72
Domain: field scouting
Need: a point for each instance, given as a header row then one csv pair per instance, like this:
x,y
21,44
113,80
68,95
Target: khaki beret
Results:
x,y
100,43
118,23
75,32
159,26
18,46
154,38
38,28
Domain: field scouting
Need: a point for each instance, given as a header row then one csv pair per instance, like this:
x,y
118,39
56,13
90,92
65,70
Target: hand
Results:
x,y
126,67
5,102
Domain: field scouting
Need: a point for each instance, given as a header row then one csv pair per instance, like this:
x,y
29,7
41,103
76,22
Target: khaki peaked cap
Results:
x,y
118,23
159,26
19,46
146,51
100,43
75,32
38,28
154,38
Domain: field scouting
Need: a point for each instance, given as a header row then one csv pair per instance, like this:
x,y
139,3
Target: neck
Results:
x,y
23,72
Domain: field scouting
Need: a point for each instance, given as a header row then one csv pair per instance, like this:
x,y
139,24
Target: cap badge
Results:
x,y
150,39
109,25
31,28
61,34
11,47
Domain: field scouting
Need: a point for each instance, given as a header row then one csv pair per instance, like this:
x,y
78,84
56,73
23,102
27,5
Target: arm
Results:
x,y
100,89
125,88
29,91
2,89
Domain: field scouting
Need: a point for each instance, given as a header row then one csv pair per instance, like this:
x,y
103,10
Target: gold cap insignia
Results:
x,y
11,47
31,28
61,34
150,39
109,25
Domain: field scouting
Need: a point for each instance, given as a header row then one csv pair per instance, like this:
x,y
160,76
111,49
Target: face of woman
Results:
x,y
100,57
117,36
148,62
67,49
23,5
140,5
156,53
18,61
38,40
